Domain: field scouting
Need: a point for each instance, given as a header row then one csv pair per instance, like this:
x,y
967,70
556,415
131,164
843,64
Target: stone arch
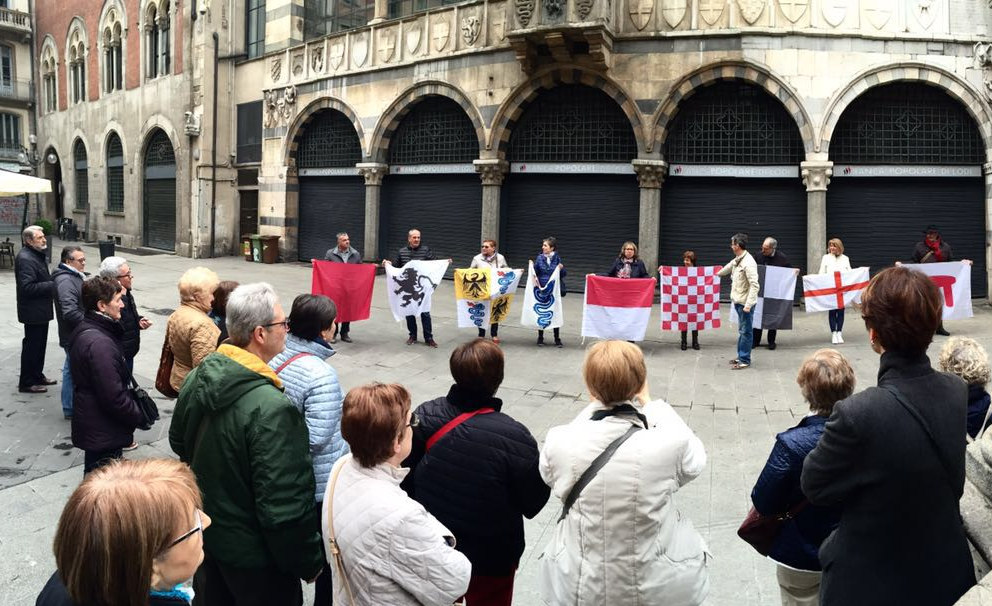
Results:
x,y
402,105
511,109
922,73
744,71
116,128
162,123
308,113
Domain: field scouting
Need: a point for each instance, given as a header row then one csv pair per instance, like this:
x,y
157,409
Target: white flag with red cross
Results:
x,y
953,279
836,290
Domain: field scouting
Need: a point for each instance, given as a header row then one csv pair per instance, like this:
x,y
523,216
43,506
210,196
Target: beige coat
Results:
x,y
192,337
744,285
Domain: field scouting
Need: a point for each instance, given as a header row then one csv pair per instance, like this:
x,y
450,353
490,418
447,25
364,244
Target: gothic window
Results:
x,y
113,49
48,80
733,122
151,42
115,174
329,140
76,60
436,131
572,123
906,123
164,27
82,175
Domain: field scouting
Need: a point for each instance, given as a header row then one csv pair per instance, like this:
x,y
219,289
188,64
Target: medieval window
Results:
x,y
113,49
329,140
436,131
255,27
82,175
115,174
76,60
151,42
48,79
165,39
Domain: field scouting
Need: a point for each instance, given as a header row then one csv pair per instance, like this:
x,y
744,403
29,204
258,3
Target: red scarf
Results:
x,y
935,249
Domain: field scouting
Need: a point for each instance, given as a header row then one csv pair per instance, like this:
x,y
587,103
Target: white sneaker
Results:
x,y
833,338
840,339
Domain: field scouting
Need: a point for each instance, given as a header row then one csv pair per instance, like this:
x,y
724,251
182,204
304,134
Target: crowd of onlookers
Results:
x,y
284,479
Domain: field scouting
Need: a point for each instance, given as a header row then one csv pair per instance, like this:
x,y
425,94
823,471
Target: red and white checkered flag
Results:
x,y
690,298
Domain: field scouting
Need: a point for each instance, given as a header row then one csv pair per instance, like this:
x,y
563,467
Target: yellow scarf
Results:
x,y
249,361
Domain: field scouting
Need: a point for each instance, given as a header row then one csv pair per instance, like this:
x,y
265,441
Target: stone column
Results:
x,y
373,173
816,178
380,12
491,171
987,173
650,177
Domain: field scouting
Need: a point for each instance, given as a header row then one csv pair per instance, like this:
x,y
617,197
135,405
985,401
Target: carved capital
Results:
x,y
373,172
816,175
491,171
650,173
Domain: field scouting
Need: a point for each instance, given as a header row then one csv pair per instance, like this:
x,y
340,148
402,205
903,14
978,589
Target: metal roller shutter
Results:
x,y
590,216
160,213
329,205
701,214
881,219
446,208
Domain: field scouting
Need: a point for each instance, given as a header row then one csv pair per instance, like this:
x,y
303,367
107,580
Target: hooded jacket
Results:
x,y
249,448
68,301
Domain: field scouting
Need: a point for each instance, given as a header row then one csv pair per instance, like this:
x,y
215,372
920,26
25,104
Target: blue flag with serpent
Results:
x,y
542,304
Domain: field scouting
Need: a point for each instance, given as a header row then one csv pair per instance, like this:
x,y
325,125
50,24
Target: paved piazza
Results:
x,y
736,414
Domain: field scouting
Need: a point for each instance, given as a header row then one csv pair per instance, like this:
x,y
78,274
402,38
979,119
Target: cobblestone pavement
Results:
x,y
736,414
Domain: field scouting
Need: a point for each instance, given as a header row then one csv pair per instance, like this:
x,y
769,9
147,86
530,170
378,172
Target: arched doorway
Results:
x,y
53,172
570,177
332,194
160,192
733,153
432,184
906,155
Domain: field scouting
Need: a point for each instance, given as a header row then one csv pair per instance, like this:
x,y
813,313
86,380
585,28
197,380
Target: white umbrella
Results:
x,y
15,184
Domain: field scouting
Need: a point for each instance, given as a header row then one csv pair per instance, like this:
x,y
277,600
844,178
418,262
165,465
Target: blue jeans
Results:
x,y
745,334
836,319
66,386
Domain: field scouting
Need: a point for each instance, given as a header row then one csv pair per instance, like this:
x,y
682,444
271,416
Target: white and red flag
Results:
x,y
836,290
617,308
690,297
953,279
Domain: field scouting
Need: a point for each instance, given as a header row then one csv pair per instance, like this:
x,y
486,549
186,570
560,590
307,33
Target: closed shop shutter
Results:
x,y
589,215
160,213
446,208
880,219
329,205
701,214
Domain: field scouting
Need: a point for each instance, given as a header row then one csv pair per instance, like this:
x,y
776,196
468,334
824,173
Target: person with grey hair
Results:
x,y
744,285
770,255
34,291
966,358
117,268
343,253
249,448
68,278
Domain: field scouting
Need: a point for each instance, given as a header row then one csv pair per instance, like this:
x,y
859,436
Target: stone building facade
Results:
x,y
17,149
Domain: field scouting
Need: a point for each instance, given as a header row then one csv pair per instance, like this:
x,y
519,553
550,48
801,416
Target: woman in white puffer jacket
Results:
x,y
623,540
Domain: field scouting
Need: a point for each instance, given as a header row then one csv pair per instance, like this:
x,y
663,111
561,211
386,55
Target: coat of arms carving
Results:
x,y
387,44
498,22
793,9
360,49
525,10
441,33
275,69
835,11
317,58
674,11
337,54
583,8
877,12
412,37
471,26
299,64
925,12
751,10
711,10
640,12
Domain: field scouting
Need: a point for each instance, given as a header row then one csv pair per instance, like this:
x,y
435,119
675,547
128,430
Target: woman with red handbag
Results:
x,y
824,378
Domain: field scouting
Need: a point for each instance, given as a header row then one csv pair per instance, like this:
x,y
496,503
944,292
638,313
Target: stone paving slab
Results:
x,y
736,414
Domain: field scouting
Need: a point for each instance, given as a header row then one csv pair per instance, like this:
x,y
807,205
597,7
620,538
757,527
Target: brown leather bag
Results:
x,y
164,373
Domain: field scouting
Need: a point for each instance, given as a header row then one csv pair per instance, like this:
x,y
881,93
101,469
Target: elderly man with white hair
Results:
x,y
249,447
35,296
117,268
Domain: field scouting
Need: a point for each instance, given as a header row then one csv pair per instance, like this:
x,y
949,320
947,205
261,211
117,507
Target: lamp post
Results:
x,y
30,157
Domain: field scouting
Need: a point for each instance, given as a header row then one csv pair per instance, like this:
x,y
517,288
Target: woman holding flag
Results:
x,y
544,267
835,260
489,258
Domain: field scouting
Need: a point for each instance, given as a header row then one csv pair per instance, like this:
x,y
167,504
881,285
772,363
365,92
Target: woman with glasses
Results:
x,y
190,332
130,534
475,469
392,551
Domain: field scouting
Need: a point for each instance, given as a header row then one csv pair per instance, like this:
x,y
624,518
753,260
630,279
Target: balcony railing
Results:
x,y
16,21
16,90
10,152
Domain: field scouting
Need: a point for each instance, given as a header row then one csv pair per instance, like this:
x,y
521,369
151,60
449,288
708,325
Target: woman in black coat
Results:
x,y
892,457
105,414
479,478
628,265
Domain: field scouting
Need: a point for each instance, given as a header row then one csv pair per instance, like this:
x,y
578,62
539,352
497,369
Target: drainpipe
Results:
x,y
33,130
213,152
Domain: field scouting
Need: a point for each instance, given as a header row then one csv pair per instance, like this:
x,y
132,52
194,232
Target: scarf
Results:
x,y
934,248
624,271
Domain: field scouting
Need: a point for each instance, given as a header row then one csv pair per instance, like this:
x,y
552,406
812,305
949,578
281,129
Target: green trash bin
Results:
x,y
256,248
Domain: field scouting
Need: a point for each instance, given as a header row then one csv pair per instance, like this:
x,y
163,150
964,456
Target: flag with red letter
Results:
x,y
617,308
953,279
690,298
349,285
836,290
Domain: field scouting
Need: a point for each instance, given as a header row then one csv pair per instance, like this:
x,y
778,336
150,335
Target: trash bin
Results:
x,y
107,248
246,247
256,248
270,249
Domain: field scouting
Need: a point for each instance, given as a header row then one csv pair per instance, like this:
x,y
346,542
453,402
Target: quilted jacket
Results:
x,y
625,542
251,462
312,386
543,268
480,480
777,491
394,552
192,336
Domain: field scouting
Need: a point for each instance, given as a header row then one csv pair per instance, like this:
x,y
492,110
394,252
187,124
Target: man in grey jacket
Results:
x,y
343,253
68,278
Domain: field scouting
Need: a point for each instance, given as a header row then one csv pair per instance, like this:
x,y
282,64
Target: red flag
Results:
x,y
349,285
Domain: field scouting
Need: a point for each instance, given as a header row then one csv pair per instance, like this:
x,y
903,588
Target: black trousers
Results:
x,y
425,319
757,336
33,354
493,330
345,328
95,459
323,587
216,584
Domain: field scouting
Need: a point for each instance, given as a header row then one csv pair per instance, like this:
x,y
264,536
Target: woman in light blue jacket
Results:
x,y
312,385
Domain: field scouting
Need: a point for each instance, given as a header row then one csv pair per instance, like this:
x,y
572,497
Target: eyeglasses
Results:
x,y
194,530
127,275
414,420
284,324
79,260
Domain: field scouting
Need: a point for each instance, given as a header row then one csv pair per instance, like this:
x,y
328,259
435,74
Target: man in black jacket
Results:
x,y
68,278
35,290
415,251
116,268
770,255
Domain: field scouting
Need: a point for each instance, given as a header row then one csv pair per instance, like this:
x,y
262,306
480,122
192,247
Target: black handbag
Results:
x,y
147,406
